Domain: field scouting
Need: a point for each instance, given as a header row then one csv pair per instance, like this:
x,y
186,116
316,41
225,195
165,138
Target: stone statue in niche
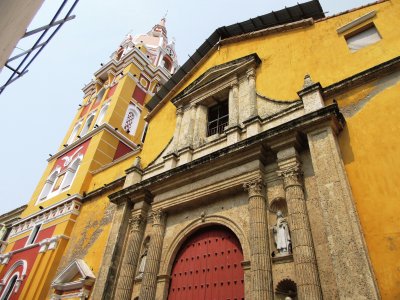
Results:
x,y
143,259
282,235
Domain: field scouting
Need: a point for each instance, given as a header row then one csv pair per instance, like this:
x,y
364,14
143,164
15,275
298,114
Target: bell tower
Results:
x,y
107,131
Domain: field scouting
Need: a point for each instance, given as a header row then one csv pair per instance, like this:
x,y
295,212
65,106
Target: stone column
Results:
x,y
234,105
200,125
149,282
189,131
179,115
261,271
131,256
308,284
252,94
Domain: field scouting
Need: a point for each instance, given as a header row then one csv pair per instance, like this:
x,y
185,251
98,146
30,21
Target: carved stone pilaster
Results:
x,y
234,105
200,125
303,248
131,257
176,139
261,271
349,255
149,282
252,93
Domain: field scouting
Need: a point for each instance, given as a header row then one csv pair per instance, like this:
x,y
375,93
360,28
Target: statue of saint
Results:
x,y
281,235
143,259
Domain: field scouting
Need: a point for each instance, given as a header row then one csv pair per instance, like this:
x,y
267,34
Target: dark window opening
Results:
x,y
34,234
9,289
218,116
144,132
6,234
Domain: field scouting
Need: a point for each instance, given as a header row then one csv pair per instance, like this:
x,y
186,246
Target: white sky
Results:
x,y
38,108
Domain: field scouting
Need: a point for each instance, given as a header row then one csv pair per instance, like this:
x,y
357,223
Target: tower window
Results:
x,y
218,116
33,235
74,133
48,186
362,37
131,119
10,287
70,174
102,114
87,125
144,132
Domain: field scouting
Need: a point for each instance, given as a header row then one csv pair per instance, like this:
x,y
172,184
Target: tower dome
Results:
x,y
154,44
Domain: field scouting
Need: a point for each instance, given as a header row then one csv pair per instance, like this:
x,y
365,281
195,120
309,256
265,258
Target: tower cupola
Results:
x,y
154,44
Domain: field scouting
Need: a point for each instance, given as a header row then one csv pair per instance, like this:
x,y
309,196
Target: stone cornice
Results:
x,y
268,31
329,113
70,205
203,85
362,77
90,134
137,54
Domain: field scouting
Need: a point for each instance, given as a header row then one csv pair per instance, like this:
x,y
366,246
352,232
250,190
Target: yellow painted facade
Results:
x,y
369,142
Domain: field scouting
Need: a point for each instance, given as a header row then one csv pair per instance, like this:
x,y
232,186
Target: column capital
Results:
x,y
179,111
234,85
158,216
251,73
135,222
288,171
291,175
254,187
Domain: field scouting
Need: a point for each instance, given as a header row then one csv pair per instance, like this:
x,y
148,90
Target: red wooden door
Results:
x,y
208,267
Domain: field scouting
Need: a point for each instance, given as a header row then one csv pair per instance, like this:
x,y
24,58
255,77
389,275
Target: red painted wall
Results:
x,y
29,255
61,160
111,91
122,149
139,95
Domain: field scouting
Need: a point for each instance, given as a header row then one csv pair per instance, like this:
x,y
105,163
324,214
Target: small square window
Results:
x,y
218,117
362,37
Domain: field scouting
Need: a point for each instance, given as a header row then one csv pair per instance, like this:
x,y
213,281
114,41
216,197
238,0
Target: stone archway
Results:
x,y
208,266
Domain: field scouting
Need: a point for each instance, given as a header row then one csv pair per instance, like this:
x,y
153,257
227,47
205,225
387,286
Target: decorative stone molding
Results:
x,y
3,246
251,74
5,258
21,274
46,216
50,243
177,241
79,288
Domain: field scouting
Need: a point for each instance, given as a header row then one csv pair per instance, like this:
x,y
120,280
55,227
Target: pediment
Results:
x,y
217,74
76,274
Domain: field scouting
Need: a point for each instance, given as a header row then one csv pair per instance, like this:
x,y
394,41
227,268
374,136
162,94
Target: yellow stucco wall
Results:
x,y
318,50
370,147
369,142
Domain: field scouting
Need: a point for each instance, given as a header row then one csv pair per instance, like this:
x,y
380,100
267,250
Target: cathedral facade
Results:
x,y
264,167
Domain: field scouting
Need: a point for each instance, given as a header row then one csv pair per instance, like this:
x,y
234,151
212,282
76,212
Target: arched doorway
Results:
x,y
208,266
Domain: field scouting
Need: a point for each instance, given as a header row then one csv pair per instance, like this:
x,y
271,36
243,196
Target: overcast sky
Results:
x,y
38,108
